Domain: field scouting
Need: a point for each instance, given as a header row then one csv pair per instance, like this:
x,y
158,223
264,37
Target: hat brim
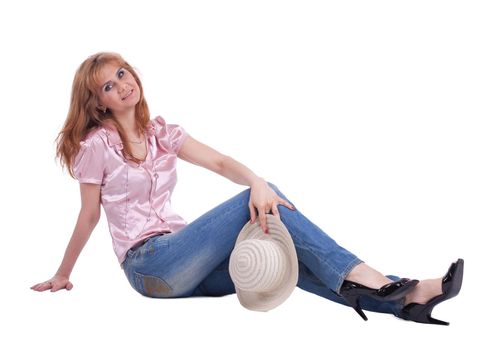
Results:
x,y
264,301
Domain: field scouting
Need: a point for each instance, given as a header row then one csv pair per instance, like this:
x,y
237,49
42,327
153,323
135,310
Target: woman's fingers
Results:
x,y
54,285
274,207
262,218
287,204
40,287
262,210
252,211
275,211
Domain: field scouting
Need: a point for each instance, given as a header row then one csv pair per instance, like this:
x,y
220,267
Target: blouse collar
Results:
x,y
114,139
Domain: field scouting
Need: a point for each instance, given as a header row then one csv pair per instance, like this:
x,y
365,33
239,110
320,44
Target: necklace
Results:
x,y
140,141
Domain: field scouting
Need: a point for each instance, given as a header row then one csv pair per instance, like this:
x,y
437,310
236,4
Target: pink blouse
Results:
x,y
136,198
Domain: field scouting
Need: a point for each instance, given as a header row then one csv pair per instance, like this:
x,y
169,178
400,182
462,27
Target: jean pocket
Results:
x,y
152,286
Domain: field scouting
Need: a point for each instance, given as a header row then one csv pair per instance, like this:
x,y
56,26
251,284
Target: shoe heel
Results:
x,y
428,319
354,302
432,320
421,314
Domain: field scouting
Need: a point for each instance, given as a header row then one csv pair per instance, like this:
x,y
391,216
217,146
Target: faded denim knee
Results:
x,y
152,286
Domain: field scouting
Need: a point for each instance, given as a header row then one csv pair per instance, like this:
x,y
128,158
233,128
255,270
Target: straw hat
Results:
x,y
264,267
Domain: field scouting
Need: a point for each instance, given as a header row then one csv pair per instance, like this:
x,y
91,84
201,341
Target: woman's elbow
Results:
x,y
90,216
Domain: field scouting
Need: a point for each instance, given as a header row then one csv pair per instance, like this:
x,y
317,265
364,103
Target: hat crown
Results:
x,y
257,265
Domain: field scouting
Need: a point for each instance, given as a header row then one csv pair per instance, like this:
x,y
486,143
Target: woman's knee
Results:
x,y
276,189
278,192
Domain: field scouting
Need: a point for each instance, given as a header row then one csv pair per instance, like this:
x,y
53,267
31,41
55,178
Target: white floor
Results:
x,y
115,317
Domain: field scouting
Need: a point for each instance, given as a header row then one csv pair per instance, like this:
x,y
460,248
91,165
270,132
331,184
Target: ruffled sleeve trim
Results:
x,y
169,136
88,165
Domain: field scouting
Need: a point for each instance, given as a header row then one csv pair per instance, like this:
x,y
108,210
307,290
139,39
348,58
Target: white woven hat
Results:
x,y
264,267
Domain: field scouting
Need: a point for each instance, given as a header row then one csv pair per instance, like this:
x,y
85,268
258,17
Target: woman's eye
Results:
x,y
108,87
120,73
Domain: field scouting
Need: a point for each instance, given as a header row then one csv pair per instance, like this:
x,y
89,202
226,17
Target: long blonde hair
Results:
x,y
83,114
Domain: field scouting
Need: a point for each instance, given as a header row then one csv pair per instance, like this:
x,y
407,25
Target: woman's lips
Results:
x,y
130,93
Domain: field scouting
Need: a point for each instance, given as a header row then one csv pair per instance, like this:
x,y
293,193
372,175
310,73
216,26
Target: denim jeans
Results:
x,y
194,260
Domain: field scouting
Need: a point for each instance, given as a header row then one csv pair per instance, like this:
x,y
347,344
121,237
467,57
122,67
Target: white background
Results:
x,y
373,117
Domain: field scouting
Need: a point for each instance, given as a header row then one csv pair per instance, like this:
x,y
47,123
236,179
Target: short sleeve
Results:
x,y
169,136
88,165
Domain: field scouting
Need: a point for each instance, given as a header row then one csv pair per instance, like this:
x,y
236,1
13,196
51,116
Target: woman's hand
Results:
x,y
55,284
265,199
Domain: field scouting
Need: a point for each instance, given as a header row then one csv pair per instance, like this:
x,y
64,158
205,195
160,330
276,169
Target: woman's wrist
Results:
x,y
257,181
62,274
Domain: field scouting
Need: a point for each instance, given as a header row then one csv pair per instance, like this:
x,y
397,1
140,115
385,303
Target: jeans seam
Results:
x,y
341,274
320,258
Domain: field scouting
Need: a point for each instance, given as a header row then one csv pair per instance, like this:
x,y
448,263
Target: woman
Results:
x,y
127,162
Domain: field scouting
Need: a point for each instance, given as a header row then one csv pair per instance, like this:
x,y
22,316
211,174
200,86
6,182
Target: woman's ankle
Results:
x,y
367,276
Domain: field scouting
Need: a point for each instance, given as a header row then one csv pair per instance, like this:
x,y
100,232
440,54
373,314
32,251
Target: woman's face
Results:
x,y
117,90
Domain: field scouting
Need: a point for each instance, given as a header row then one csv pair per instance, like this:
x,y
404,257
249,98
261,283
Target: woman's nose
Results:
x,y
124,87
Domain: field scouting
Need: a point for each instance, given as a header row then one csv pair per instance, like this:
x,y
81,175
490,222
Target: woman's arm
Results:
x,y
202,155
87,220
262,197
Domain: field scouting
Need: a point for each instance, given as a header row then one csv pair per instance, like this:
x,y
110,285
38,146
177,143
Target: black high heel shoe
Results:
x,y
352,291
451,283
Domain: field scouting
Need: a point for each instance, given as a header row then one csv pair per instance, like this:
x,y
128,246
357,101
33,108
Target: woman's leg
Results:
x,y
324,265
310,283
318,254
219,283
185,263
174,264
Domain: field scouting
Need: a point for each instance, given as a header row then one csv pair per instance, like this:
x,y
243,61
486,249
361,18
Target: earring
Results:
x,y
102,109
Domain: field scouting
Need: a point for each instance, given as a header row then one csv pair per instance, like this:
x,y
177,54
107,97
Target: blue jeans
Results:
x,y
194,260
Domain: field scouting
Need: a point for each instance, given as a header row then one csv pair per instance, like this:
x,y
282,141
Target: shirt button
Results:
x,y
148,219
156,175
